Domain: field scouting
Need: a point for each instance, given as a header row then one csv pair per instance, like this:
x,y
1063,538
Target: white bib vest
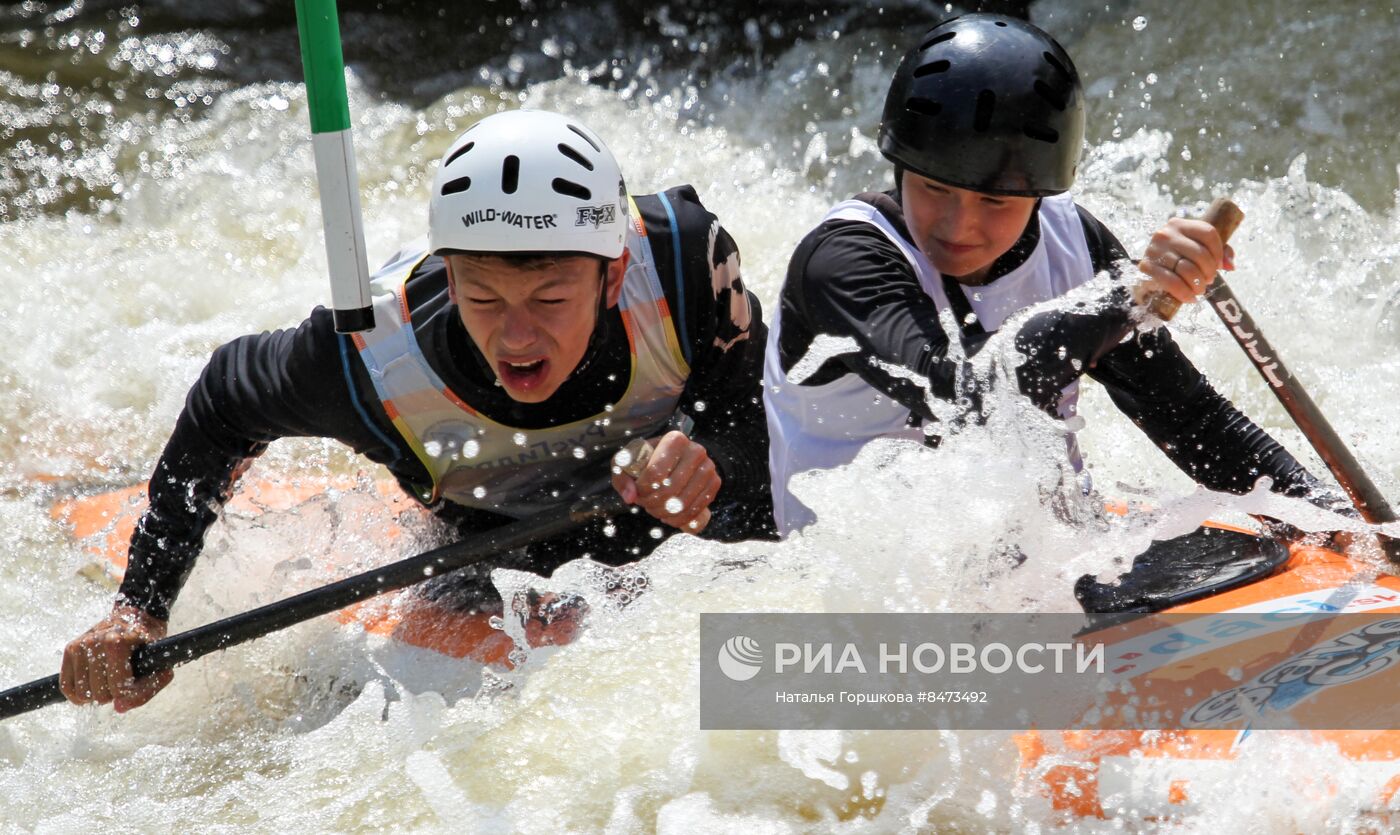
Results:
x,y
479,463
825,426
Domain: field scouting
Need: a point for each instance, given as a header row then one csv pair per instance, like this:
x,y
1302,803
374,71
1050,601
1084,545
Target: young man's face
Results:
x,y
532,322
962,232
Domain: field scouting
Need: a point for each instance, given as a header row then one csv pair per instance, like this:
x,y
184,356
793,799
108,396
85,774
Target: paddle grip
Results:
x,y
1225,216
633,458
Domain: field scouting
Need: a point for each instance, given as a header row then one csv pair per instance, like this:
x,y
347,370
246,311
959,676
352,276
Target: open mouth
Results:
x,y
521,375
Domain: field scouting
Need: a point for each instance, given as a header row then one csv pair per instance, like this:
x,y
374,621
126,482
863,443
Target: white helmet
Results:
x,y
528,181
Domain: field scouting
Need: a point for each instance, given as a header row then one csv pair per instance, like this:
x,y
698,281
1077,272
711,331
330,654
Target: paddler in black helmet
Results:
x,y
984,122
550,318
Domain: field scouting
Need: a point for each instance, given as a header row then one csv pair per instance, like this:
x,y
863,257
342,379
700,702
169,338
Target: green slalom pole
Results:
x,y
321,57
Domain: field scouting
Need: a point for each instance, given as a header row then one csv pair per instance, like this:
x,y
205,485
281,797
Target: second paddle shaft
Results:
x,y
1225,216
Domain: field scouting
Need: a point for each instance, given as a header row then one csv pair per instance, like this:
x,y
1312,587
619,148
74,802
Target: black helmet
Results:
x,y
986,103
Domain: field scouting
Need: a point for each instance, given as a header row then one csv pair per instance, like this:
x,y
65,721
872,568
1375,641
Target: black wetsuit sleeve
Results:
x,y
847,279
299,382
722,330
1156,386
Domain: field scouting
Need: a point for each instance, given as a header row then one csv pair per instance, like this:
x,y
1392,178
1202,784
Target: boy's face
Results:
x,y
962,232
532,322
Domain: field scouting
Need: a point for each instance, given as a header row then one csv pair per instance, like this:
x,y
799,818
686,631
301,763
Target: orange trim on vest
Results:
x,y
458,402
628,327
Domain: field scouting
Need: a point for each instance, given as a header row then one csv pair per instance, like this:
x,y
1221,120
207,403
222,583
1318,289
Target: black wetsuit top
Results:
x,y
847,279
310,381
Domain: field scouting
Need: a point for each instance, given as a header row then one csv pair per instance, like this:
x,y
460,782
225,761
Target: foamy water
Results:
x,y
111,314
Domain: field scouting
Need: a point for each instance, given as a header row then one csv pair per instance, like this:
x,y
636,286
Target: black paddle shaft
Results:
x,y
1225,216
231,631
1369,500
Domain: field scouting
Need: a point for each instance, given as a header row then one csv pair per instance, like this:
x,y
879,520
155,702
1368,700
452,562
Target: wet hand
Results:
x,y
97,664
677,485
1182,260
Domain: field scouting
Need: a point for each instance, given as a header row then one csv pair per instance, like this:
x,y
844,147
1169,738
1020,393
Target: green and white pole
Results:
x,y
335,164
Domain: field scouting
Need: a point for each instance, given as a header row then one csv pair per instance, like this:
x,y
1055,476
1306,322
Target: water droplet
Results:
x,y
471,448
1152,78
609,530
579,452
479,491
519,438
699,405
433,448
674,505
1139,23
656,533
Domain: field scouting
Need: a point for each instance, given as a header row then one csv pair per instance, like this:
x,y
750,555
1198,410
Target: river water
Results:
x,y
157,198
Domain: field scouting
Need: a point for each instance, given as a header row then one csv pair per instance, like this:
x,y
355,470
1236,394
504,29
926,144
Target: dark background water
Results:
x,y
84,83
81,81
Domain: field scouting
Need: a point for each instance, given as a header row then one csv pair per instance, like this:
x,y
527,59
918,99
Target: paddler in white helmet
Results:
x,y
550,318
984,123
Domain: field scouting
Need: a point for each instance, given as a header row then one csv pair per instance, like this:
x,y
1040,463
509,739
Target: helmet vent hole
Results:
x,y
456,186
1056,98
986,103
927,107
930,68
575,156
1055,62
935,41
510,174
571,189
1042,133
586,138
458,153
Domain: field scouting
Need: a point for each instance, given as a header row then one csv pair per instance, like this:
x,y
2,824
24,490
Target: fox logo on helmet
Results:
x,y
596,216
